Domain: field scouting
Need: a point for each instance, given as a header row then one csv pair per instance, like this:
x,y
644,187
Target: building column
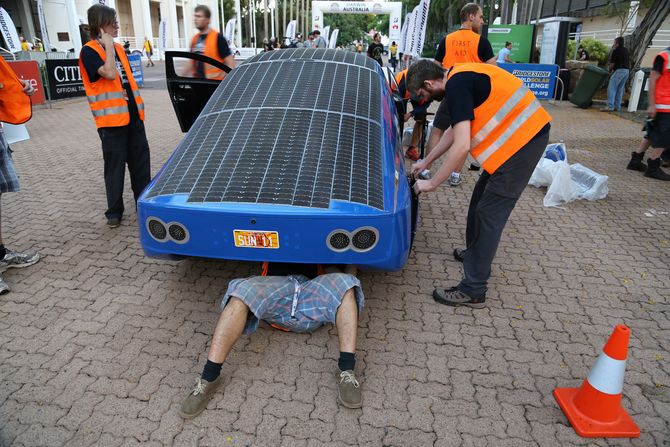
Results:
x,y
73,25
189,29
169,13
141,20
27,21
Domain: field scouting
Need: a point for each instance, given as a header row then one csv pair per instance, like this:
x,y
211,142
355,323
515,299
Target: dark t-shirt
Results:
x,y
375,51
484,50
92,62
465,92
199,48
620,58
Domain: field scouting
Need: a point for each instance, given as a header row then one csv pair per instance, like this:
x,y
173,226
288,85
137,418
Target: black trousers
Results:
x,y
121,146
492,202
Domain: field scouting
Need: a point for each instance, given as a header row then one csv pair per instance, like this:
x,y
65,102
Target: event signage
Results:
x,y
549,42
135,61
539,78
30,71
162,35
64,78
521,37
8,31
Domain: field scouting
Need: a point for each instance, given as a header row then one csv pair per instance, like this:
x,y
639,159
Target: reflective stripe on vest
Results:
x,y
104,96
507,134
607,374
512,102
110,111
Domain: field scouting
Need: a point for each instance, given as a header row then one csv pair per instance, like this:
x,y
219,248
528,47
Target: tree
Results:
x,y
639,41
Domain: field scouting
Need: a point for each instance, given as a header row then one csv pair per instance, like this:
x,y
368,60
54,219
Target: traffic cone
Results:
x,y
594,409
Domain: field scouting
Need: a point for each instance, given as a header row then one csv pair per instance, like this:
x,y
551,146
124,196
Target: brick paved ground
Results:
x,y
98,343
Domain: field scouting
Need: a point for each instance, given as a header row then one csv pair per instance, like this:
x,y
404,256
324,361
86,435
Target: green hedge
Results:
x,y
597,50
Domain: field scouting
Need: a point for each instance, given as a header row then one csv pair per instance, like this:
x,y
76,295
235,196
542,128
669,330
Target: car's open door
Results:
x,y
189,93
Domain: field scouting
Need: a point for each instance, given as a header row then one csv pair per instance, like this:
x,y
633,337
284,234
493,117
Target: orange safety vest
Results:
x,y
398,79
461,47
509,118
211,50
15,106
662,93
107,97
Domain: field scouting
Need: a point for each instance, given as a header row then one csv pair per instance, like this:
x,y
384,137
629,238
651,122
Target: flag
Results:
x,y
290,29
416,33
162,37
230,30
8,31
43,26
332,43
326,33
403,33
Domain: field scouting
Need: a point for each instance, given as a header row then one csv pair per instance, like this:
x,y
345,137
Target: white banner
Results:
x,y
332,43
417,34
8,31
290,29
162,35
549,42
230,30
403,33
326,33
43,26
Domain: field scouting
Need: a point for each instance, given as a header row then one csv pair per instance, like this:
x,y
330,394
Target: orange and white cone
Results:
x,y
594,409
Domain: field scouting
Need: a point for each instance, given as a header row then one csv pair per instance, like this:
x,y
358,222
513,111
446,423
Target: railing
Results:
x,y
661,39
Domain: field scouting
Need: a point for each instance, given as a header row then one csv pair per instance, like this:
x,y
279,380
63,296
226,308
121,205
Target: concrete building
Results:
x,y
137,19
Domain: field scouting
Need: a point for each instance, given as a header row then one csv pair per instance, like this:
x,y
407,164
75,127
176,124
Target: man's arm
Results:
x,y
651,109
454,160
439,54
485,51
224,52
108,69
442,146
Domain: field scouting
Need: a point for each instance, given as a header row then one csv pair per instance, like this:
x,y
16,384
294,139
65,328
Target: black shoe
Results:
x,y
474,167
654,170
635,163
113,222
458,255
455,297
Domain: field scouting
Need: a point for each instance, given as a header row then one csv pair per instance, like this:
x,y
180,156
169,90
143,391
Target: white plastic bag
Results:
x,y
562,189
590,185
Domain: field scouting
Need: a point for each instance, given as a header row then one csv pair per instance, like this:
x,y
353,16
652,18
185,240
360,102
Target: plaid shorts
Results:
x,y
294,302
9,181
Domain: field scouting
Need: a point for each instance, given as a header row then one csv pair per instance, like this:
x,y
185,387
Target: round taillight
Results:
x,y
178,233
338,240
364,239
156,229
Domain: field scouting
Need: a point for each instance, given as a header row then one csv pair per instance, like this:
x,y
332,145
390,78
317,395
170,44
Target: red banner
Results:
x,y
29,70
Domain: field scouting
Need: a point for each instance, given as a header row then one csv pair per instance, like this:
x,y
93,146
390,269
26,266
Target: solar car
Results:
x,y
295,157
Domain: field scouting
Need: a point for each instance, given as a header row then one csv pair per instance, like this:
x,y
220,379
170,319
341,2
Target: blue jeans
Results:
x,y
616,87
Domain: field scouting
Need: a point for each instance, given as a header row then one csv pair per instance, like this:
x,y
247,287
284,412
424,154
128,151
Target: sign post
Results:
x,y
135,61
30,71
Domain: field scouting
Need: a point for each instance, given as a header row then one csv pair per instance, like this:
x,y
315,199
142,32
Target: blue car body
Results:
x,y
259,178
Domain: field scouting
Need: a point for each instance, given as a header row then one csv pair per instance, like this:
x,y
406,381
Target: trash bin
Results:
x,y
588,84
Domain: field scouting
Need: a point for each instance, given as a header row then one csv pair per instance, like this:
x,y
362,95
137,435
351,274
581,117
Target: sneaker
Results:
x,y
458,254
348,389
412,153
4,288
474,167
455,179
607,109
455,297
18,260
425,174
196,402
113,222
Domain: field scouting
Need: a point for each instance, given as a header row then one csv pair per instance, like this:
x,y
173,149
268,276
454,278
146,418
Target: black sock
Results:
x,y
3,251
347,361
211,371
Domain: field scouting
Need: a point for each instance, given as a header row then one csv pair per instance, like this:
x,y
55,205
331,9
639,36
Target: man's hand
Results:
x,y
424,186
418,167
27,87
406,117
106,39
651,111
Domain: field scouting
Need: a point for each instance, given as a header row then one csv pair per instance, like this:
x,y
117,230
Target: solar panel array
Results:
x,y
294,127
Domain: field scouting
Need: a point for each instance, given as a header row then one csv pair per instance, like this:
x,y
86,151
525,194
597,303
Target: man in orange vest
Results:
x,y
211,43
658,121
462,46
418,113
15,108
498,121
118,110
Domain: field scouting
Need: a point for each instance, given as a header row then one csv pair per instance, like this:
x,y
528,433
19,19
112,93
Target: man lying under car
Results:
x,y
290,297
